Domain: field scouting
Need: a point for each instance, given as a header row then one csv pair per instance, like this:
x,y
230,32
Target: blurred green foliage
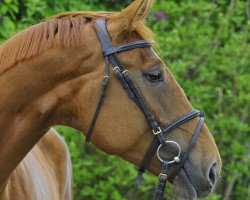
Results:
x,y
206,44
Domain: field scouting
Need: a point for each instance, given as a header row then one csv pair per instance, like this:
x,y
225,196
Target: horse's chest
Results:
x,y
33,179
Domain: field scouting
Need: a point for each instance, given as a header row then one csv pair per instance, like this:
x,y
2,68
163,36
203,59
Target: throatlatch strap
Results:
x,y
100,102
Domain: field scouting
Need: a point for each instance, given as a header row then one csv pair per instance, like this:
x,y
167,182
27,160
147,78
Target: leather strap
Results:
x,y
189,149
126,47
100,102
161,185
155,142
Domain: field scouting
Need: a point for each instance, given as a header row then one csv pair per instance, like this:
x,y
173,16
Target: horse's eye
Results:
x,y
156,77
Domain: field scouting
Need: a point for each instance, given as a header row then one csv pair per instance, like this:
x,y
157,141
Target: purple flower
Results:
x,y
160,15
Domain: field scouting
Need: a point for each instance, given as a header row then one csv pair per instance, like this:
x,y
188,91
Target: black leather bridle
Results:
x,y
110,55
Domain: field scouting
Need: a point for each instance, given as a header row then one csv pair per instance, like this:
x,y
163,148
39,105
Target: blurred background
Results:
x,y
206,44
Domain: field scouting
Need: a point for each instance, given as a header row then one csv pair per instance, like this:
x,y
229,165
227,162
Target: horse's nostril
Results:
x,y
212,175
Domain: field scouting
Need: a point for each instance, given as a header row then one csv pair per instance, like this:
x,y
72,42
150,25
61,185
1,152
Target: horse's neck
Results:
x,y
35,95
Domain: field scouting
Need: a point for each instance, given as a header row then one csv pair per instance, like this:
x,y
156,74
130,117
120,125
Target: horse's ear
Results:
x,y
136,12
128,18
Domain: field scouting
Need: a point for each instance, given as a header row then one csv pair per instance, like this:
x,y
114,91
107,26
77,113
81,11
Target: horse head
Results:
x,y
122,129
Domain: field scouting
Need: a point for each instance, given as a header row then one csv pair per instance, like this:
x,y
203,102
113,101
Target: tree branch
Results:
x,y
230,186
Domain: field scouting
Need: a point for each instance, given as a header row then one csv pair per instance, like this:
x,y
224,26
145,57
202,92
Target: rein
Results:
x,y
123,75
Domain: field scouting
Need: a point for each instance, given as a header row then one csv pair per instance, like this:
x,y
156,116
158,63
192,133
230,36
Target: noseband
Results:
x,y
110,55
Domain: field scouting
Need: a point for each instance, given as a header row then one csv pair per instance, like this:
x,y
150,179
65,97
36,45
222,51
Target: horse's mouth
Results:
x,y
182,186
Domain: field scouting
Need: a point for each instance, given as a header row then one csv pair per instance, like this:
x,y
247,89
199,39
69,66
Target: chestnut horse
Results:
x,y
51,74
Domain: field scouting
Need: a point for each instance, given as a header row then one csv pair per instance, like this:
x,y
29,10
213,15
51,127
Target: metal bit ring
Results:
x,y
176,158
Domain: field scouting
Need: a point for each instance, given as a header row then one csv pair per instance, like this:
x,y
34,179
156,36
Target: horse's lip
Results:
x,y
184,176
201,193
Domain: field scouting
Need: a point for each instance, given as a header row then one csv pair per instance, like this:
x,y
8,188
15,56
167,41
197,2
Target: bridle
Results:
x,y
110,55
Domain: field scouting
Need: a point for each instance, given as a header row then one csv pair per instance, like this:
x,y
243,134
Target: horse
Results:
x,y
51,74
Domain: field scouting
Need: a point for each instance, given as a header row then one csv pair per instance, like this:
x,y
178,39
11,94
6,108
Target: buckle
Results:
x,y
157,132
125,71
115,68
161,174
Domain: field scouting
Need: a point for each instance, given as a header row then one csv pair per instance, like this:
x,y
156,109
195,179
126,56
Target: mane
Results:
x,y
61,30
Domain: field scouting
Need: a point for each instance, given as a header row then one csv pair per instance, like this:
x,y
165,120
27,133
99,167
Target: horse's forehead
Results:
x,y
142,58
150,54
149,57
